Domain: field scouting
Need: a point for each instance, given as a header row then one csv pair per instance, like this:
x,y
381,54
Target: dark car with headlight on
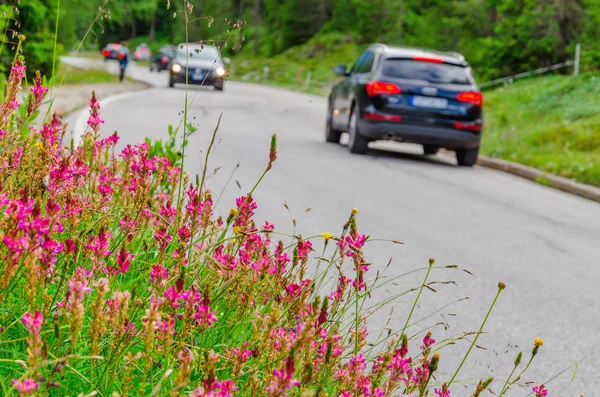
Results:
x,y
205,66
160,60
408,95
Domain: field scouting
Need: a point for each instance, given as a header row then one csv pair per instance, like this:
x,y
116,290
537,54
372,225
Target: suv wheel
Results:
x,y
358,143
171,82
331,135
467,157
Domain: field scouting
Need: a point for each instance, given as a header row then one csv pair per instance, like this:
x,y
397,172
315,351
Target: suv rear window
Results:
x,y
441,73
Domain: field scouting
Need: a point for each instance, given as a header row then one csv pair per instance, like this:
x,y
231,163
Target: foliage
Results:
x,y
550,123
169,148
119,279
319,56
33,21
498,37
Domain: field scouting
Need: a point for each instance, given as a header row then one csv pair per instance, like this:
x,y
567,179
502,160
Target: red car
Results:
x,y
141,53
111,51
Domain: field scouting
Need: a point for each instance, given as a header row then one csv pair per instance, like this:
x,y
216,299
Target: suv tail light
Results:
x,y
164,60
381,88
471,97
106,52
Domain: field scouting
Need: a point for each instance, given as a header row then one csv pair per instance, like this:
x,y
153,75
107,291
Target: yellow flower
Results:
x,y
232,211
237,230
327,236
538,342
354,211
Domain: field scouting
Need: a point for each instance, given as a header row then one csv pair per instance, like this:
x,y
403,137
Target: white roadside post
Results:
x,y
266,72
577,58
307,82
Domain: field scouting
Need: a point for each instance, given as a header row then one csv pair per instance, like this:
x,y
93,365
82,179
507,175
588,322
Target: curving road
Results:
x,y
545,244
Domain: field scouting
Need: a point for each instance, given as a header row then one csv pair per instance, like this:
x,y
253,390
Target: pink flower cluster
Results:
x,y
120,271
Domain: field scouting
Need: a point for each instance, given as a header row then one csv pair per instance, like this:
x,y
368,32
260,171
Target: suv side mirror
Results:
x,y
341,70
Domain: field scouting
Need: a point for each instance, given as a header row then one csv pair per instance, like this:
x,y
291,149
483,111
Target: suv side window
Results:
x,y
364,63
368,64
358,63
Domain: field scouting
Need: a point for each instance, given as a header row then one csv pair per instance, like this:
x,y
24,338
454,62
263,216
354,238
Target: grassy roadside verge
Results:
x,y
551,123
85,76
291,68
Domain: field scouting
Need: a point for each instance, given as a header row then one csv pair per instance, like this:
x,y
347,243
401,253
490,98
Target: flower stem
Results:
x,y
500,288
431,262
505,388
185,107
508,385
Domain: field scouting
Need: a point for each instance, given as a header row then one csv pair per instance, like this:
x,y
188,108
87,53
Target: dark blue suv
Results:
x,y
408,95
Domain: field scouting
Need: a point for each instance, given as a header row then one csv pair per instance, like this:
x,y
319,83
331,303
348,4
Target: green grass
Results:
x,y
289,69
91,54
551,123
86,76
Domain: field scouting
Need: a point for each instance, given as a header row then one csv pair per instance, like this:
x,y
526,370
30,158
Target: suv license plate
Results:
x,y
425,102
197,77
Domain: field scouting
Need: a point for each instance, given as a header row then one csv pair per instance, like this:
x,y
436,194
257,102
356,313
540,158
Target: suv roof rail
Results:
x,y
456,55
452,54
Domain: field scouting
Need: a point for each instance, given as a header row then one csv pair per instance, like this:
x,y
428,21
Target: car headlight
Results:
x,y
176,68
220,71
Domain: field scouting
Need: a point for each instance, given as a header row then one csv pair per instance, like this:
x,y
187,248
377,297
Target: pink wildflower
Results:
x,y
351,244
245,210
357,365
268,227
94,120
99,245
284,379
204,316
442,393
540,391
124,260
33,323
70,246
304,248
159,275
163,237
26,386
339,292
427,341
168,212
215,389
172,296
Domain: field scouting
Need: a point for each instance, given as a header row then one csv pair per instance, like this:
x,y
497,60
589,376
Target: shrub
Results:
x,y
118,279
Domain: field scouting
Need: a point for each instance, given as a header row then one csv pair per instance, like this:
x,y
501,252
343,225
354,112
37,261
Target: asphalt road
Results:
x,y
545,244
